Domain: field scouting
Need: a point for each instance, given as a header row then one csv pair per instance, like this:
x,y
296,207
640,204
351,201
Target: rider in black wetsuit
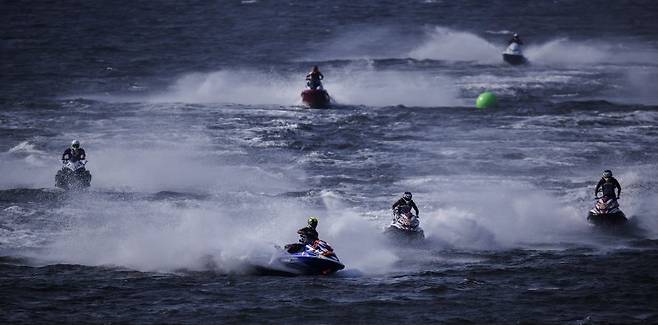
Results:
x,y
307,235
406,200
74,153
515,39
607,185
314,78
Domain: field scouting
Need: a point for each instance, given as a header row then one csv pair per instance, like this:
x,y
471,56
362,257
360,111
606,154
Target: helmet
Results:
x,y
75,144
407,196
315,68
516,35
607,173
313,222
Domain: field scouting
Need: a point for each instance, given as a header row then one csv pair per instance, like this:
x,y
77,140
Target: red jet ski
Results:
x,y
316,98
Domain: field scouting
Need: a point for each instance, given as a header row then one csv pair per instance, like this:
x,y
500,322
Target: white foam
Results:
x,y
352,85
24,166
179,168
390,88
564,51
224,235
235,87
452,45
25,147
487,214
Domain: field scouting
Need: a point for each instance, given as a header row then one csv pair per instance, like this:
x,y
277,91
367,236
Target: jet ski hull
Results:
x,y
396,233
514,59
607,219
316,98
72,180
317,258
311,265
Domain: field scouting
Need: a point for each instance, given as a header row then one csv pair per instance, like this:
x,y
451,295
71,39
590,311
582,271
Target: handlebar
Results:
x,y
600,197
84,162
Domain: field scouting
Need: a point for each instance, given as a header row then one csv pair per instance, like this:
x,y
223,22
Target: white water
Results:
x,y
243,210
354,85
451,45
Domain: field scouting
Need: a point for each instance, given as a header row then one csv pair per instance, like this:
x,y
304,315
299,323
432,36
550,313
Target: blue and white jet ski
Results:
x,y
315,258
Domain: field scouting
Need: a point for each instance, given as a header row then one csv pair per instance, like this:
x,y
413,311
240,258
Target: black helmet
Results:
x,y
313,222
407,196
607,173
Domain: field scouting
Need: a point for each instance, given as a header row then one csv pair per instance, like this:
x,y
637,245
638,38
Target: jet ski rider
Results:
x,y
74,153
307,235
314,78
607,185
515,39
406,200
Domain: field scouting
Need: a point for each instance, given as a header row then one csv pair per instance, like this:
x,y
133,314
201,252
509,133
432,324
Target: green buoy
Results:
x,y
485,100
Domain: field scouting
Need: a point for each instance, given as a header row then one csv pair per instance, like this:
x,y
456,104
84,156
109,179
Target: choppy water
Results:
x,y
202,159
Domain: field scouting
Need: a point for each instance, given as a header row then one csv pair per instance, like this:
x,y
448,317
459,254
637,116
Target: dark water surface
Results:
x,y
203,159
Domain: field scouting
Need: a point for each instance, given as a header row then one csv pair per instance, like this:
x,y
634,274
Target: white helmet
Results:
x,y
516,35
75,144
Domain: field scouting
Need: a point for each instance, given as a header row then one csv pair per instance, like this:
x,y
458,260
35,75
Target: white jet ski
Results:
x,y
513,54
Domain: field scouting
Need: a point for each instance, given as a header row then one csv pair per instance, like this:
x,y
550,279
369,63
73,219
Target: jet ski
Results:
x,y
606,212
513,54
73,176
405,225
315,96
317,258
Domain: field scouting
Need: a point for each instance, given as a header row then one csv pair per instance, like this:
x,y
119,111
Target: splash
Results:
x,y
390,88
357,240
564,51
365,43
438,43
24,165
639,200
165,236
472,216
181,169
223,236
234,87
638,85
352,85
451,45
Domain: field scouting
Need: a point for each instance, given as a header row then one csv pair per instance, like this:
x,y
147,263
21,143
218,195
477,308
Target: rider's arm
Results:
x,y
413,206
82,154
598,186
65,155
396,204
320,76
618,186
